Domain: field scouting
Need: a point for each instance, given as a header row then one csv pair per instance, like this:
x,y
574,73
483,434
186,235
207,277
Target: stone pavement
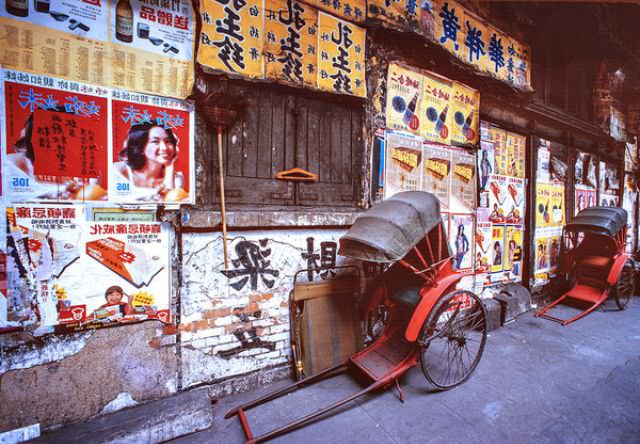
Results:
x,y
537,382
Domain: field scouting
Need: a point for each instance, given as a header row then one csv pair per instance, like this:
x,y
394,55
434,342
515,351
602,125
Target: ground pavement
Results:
x,y
537,382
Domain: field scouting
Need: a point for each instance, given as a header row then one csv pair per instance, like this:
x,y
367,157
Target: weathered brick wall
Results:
x,y
237,322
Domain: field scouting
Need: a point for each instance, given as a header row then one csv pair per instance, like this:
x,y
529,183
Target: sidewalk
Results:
x,y
538,382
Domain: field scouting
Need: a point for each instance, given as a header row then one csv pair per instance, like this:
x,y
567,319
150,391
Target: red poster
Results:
x,y
57,142
151,151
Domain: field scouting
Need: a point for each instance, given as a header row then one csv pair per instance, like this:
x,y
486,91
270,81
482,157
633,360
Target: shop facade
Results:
x,y
339,106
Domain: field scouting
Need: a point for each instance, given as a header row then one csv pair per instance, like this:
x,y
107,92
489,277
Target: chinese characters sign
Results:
x,y
474,42
67,141
284,40
138,45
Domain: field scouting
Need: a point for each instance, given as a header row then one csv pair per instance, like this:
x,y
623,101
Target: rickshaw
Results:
x,y
593,263
419,313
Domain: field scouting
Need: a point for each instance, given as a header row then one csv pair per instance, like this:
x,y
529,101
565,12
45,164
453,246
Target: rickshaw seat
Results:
x,y
594,262
408,295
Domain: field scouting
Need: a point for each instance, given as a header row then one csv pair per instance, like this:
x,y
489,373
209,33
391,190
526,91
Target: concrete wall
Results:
x,y
54,380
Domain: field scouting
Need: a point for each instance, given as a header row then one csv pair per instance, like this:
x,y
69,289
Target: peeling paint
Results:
x,y
54,349
121,401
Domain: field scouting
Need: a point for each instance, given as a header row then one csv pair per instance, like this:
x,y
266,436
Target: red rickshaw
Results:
x,y
593,263
422,315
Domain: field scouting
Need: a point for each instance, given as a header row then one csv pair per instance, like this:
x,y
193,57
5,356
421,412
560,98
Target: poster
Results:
x,y
43,245
463,182
484,247
549,204
514,247
516,145
485,164
231,38
291,42
404,99
465,107
609,200
547,253
403,15
51,251
160,169
437,173
135,45
341,62
461,240
585,197
498,195
403,163
515,201
502,163
497,239
56,139
435,123
629,201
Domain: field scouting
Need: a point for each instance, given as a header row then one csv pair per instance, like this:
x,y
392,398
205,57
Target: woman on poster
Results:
x,y
485,170
513,255
462,246
24,155
497,254
147,161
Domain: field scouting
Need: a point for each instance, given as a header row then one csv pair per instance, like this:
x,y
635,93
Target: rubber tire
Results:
x,y
424,334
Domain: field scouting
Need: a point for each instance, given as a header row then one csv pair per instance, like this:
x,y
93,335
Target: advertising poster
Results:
x,y
130,44
463,182
516,146
465,106
43,252
341,49
435,123
609,200
630,155
497,239
461,240
549,204
291,46
133,259
585,197
500,154
542,253
51,251
437,171
404,99
152,149
515,200
513,260
403,163
484,247
402,15
498,195
485,164
629,200
554,249
543,170
56,139
547,253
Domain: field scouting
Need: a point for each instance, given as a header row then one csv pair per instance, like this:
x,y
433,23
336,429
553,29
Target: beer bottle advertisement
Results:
x,y
404,99
436,121
465,106
161,28
85,19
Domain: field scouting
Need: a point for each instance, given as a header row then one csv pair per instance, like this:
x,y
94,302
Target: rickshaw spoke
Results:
x,y
449,353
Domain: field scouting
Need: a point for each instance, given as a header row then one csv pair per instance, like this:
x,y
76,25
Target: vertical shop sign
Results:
x,y
404,99
403,163
341,50
351,10
404,15
290,42
231,37
152,149
56,138
435,124
465,107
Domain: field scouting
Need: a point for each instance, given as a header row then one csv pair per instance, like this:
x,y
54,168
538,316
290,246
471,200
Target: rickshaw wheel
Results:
x,y
623,289
452,339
